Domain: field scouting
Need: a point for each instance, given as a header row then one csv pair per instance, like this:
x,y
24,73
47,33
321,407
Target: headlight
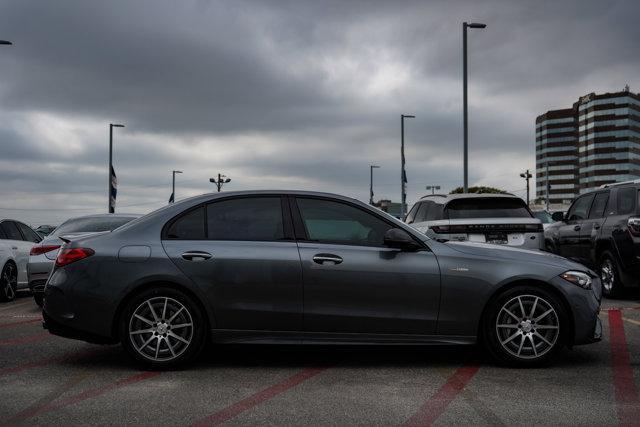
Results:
x,y
578,278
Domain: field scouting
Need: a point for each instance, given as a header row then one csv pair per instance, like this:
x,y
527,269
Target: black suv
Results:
x,y
602,230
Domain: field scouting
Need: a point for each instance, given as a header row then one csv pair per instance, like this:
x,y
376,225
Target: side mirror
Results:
x,y
399,239
557,216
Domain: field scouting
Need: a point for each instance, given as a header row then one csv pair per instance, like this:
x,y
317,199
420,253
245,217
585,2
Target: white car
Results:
x,y
16,240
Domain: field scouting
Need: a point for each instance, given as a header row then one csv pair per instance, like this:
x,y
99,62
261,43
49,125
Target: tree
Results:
x,y
481,189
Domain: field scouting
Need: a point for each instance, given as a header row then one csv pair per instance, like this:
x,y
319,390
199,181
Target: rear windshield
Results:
x,y
487,208
91,225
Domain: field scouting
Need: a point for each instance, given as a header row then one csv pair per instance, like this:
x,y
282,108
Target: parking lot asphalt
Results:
x,y
50,380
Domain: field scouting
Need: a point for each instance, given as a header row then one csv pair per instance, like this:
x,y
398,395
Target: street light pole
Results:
x,y
464,101
111,195
403,173
527,176
371,168
433,188
222,179
173,187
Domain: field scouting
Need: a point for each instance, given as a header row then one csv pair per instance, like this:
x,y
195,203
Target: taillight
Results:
x,y
633,224
39,250
69,255
439,228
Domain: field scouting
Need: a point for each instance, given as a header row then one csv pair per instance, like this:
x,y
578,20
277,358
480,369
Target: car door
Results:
x,y
242,253
19,247
590,227
569,231
353,283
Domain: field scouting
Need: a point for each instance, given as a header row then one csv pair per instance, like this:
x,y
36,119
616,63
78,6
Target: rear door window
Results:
x,y
28,233
626,200
487,208
421,216
599,206
189,226
412,213
11,231
247,218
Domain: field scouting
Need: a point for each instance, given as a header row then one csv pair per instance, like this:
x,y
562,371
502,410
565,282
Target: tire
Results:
x,y
8,282
162,344
610,277
39,299
520,338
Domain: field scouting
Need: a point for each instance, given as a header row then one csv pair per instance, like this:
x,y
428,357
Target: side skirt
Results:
x,y
231,336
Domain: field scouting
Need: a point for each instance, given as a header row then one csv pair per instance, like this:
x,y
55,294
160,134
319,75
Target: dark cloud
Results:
x,y
286,93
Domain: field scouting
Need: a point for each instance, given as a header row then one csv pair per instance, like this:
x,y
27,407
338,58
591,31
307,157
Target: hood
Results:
x,y
516,254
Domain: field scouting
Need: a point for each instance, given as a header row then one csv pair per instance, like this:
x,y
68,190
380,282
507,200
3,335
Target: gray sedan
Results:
x,y
43,255
303,267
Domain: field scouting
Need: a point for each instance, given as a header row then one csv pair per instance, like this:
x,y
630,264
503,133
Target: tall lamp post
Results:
x,y
222,179
371,168
464,99
527,176
433,188
403,172
173,187
113,183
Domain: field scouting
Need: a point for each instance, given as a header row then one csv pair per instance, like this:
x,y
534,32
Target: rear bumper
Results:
x,y
66,331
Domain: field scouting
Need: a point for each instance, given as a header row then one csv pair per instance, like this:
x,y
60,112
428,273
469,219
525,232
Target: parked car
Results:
x,y
601,229
545,217
43,255
16,239
302,267
44,230
502,219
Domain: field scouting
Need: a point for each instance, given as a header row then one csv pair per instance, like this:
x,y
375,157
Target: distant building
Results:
x,y
389,207
595,142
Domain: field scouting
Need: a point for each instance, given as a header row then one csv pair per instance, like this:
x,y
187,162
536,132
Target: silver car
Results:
x,y
501,219
301,267
43,255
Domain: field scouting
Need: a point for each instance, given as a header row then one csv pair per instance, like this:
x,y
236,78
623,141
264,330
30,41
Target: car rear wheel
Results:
x,y
39,299
525,326
8,282
610,275
162,328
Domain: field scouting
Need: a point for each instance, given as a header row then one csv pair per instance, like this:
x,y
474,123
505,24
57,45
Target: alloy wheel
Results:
x,y
607,275
527,326
9,281
161,329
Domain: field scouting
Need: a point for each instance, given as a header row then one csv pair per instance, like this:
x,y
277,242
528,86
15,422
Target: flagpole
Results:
x,y
111,208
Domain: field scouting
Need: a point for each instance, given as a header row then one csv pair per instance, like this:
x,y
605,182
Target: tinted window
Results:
x,y
28,233
487,208
189,226
435,212
421,215
11,231
90,225
255,218
412,213
599,205
580,208
333,222
2,235
626,200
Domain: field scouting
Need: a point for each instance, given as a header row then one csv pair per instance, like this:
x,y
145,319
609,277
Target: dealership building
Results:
x,y
595,142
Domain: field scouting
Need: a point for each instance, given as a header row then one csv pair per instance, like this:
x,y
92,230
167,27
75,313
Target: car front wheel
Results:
x,y
162,328
525,326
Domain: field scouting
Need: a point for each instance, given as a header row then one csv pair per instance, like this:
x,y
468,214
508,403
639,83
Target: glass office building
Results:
x,y
595,142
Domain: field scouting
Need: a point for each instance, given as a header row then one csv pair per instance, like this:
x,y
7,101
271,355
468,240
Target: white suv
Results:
x,y
502,219
16,240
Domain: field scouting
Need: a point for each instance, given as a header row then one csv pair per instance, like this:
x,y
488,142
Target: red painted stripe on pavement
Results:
x,y
627,400
48,361
21,322
85,395
431,410
27,339
255,399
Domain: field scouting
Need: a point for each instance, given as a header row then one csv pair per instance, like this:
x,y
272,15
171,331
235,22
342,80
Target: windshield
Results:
x,y
487,208
91,225
543,216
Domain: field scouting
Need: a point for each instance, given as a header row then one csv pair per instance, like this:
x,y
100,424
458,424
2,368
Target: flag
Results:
x,y
114,191
171,198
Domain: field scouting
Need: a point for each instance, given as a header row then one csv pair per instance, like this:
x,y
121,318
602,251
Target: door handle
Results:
x,y
597,226
576,228
322,258
15,248
196,256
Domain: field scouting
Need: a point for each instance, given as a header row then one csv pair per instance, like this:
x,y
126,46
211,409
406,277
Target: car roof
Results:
x,y
445,198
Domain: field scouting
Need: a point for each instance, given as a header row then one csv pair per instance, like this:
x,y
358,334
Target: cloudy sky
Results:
x,y
286,94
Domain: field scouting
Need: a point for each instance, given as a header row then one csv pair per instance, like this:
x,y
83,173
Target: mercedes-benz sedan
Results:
x,y
302,267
